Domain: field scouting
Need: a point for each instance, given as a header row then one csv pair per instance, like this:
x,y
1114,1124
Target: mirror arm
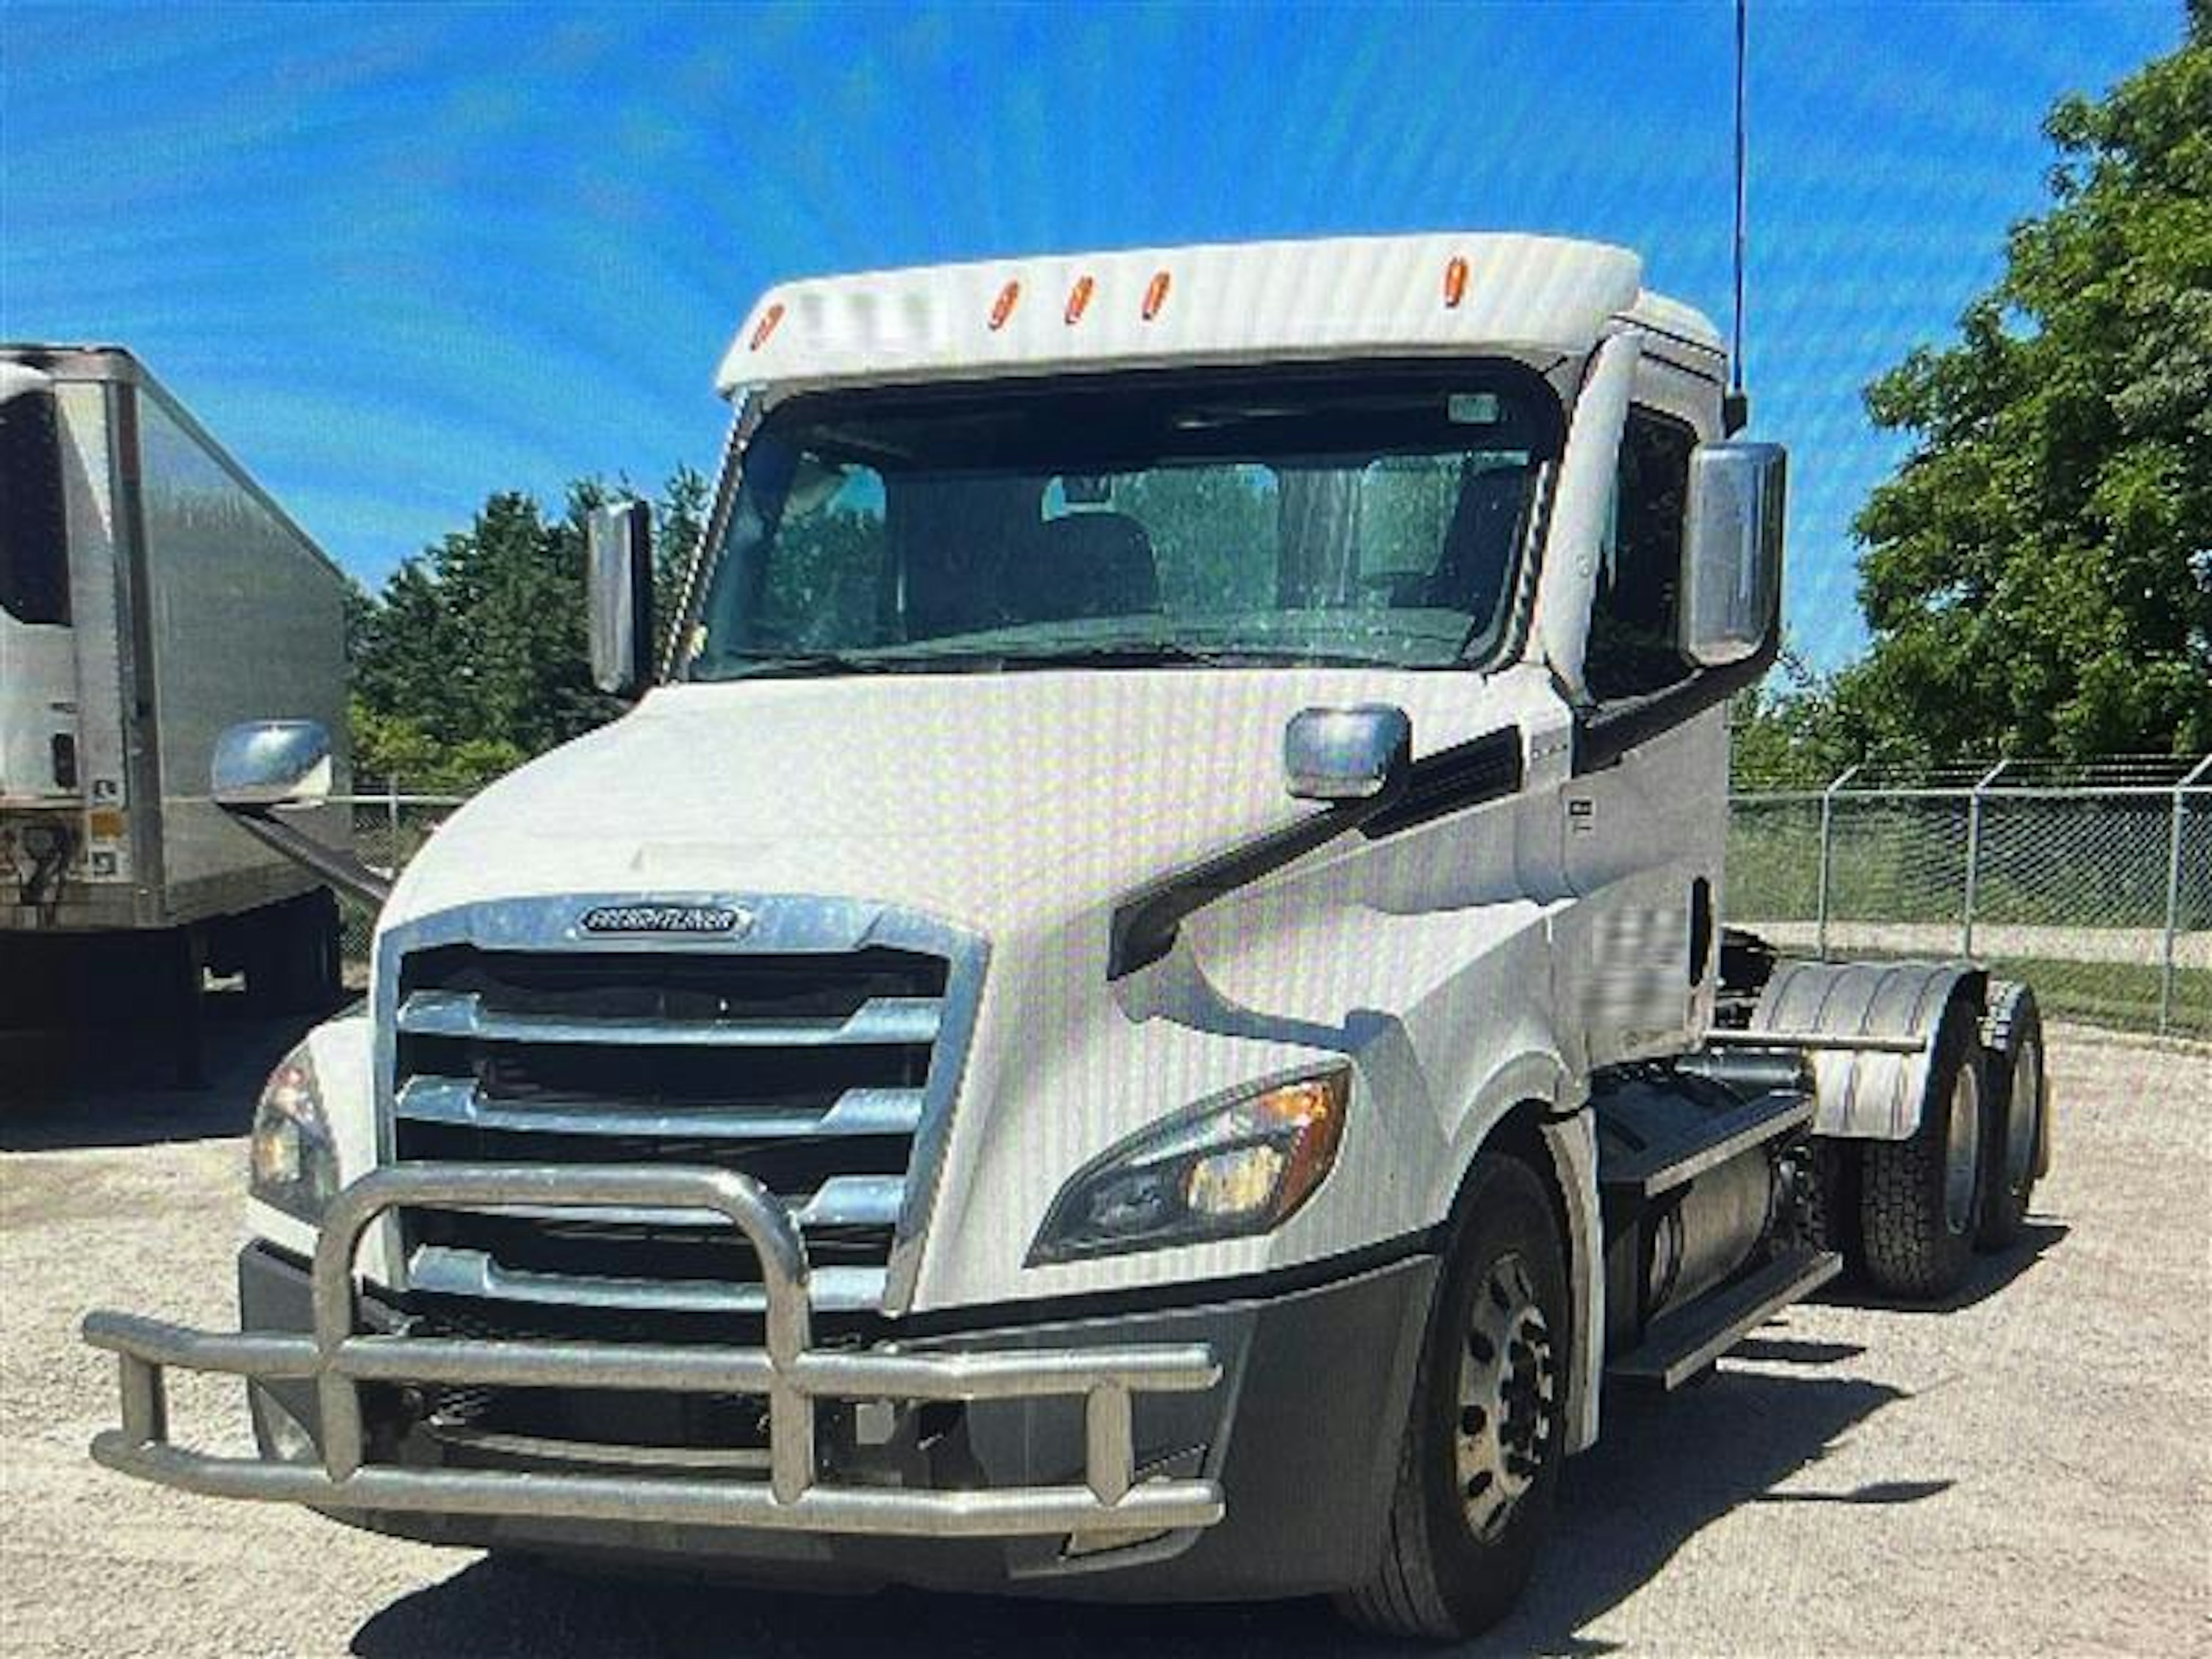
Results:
x,y
343,870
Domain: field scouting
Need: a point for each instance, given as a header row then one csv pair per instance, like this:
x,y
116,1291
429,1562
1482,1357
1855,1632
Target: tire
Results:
x,y
2012,1044
291,956
1486,1430
1921,1199
1830,1217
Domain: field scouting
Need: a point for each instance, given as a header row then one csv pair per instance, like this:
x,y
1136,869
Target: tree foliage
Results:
x,y
473,657
2038,575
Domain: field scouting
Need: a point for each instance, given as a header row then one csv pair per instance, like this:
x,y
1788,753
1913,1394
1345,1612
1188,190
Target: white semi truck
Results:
x,y
151,596
1140,1009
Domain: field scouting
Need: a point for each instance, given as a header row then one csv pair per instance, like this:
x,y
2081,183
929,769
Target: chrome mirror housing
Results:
x,y
272,763
620,539
1346,754
1731,577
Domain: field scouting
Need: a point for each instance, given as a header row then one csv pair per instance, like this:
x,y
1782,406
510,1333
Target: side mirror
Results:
x,y
267,763
1347,754
1731,583
620,537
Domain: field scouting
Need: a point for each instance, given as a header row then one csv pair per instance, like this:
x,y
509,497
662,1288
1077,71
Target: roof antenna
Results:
x,y
1735,407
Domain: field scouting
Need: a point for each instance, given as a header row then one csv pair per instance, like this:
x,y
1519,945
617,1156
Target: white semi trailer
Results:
x,y
1140,1008
151,596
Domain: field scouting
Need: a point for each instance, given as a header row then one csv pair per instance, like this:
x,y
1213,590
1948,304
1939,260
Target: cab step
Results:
x,y
1663,1164
1682,1344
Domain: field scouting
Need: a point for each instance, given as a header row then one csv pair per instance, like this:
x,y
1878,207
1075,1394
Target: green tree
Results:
x,y
1788,732
2038,575
473,658
679,525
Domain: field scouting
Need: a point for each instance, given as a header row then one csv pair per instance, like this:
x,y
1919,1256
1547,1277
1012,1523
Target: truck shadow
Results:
x,y
1626,1508
108,1086
1989,1274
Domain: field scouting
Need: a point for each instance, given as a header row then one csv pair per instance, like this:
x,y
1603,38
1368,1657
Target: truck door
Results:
x,y
38,675
1644,834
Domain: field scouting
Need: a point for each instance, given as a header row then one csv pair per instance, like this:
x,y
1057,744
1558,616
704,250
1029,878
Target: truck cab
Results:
x,y
1138,1008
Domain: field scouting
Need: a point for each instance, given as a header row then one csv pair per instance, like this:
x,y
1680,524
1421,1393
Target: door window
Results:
x,y
1631,650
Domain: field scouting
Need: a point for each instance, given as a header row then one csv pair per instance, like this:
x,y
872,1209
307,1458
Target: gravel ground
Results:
x,y
2028,1472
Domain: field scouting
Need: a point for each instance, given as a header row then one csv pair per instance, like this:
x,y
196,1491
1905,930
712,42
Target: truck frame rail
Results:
x,y
788,1370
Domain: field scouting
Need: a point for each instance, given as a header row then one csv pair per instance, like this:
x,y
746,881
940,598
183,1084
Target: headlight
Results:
x,y
294,1165
1223,1168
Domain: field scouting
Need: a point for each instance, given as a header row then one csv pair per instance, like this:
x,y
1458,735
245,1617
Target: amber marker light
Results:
x,y
1078,298
1003,307
766,326
1155,294
1312,1112
1455,282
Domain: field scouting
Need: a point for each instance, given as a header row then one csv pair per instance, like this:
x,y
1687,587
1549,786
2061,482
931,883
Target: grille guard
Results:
x,y
788,1370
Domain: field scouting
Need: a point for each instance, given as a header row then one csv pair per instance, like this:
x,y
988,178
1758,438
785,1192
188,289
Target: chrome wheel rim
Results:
x,y
1962,1153
1507,1398
2023,1115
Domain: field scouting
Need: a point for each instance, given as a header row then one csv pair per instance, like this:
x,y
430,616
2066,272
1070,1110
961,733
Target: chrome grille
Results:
x,y
821,1071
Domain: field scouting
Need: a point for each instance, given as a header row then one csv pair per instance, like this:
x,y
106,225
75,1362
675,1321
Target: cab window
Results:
x,y
1632,650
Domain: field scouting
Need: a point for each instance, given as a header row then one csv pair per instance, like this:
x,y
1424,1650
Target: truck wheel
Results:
x,y
1830,1215
2012,1042
1487,1432
1920,1200
292,956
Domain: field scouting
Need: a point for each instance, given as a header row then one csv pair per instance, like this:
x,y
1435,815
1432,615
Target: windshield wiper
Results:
x,y
1126,653
1111,653
801,665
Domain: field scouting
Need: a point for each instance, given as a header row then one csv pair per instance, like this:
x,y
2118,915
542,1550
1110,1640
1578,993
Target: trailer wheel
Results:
x,y
1921,1199
291,956
2012,1041
1486,1432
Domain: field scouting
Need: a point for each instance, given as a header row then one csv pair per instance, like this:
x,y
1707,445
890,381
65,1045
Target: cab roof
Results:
x,y
1357,296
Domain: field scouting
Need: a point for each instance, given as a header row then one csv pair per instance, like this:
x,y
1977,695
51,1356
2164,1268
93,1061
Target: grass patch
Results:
x,y
2123,995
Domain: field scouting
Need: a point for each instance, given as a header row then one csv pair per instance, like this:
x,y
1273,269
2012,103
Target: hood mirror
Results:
x,y
272,763
1347,754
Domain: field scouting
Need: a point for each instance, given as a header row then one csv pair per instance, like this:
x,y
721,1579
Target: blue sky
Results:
x,y
399,257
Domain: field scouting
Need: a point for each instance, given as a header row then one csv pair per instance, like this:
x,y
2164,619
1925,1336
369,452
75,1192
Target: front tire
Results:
x,y
1488,1429
1921,1199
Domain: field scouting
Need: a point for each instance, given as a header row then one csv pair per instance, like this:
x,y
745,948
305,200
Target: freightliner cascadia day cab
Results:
x,y
151,596
1140,1009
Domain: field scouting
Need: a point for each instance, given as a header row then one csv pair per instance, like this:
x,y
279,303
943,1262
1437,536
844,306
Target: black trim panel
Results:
x,y
1183,1295
1489,767
1144,925
1603,736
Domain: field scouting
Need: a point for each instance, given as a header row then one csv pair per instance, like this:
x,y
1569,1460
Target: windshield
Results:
x,y
1366,517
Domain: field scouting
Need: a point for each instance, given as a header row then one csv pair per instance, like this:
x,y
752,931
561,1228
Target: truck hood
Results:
x,y
987,800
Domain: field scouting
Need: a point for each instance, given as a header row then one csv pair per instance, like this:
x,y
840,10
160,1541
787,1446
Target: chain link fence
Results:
x,y
2094,883
389,826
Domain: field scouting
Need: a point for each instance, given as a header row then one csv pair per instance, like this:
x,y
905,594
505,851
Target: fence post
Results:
x,y
1974,856
1828,825
2173,892
391,819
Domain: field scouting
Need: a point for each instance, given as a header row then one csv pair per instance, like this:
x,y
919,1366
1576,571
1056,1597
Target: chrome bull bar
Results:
x,y
788,1371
